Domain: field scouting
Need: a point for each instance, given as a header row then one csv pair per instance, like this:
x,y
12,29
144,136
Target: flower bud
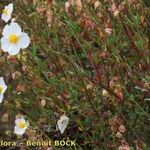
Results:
x,y
43,102
105,93
89,86
67,5
108,31
116,13
78,6
122,128
119,135
96,4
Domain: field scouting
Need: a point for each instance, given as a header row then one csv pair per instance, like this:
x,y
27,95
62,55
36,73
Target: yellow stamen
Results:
x,y
13,38
1,89
22,125
5,11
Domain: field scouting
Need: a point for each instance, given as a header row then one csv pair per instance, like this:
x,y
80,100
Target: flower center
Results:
x,y
21,125
13,38
5,11
1,89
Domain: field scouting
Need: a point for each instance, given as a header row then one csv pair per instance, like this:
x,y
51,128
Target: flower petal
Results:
x,y
19,120
6,17
13,28
13,49
2,83
62,123
6,31
1,98
4,86
5,44
10,8
2,80
19,131
24,40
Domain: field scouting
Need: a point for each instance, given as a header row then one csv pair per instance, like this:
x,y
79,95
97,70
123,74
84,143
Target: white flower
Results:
x,y
14,39
3,88
7,11
62,123
21,126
